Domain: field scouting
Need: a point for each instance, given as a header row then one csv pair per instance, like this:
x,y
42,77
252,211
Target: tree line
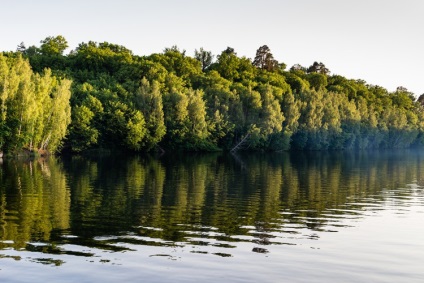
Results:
x,y
101,95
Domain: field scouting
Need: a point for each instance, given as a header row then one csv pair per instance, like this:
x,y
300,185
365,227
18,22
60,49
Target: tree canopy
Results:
x,y
101,95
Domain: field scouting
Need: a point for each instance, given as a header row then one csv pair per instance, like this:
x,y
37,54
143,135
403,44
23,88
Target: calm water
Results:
x,y
300,217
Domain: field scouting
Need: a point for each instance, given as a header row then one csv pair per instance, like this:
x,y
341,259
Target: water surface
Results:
x,y
280,217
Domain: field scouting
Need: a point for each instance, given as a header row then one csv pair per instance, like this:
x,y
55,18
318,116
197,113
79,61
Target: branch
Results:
x,y
240,143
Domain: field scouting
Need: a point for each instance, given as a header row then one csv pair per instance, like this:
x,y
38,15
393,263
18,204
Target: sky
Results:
x,y
379,41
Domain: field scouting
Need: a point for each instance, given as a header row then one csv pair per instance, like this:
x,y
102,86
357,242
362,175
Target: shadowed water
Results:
x,y
280,217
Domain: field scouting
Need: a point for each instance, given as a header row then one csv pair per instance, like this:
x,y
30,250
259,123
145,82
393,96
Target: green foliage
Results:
x,y
100,57
233,68
402,98
196,122
124,126
48,55
270,116
35,109
265,60
83,135
318,68
317,81
173,101
175,61
57,116
204,57
290,108
297,83
149,100
53,45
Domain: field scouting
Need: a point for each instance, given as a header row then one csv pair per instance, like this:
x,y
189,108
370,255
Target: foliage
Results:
x,y
149,100
170,100
35,109
53,45
265,60
205,58
318,68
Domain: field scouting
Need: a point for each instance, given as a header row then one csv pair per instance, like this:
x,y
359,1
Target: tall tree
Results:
x,y
21,48
57,115
233,68
20,103
35,109
83,135
196,122
403,98
264,59
298,67
317,81
421,99
318,68
271,117
53,45
4,96
205,57
149,101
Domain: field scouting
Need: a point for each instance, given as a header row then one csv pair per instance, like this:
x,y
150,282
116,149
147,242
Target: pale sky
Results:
x,y
379,41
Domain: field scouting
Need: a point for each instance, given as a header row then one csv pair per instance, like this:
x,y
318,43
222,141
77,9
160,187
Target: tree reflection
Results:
x,y
175,197
35,201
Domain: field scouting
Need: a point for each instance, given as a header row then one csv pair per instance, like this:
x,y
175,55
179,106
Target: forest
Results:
x,y
102,96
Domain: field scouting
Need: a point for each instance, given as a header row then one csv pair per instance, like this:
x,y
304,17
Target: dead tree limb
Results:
x,y
240,144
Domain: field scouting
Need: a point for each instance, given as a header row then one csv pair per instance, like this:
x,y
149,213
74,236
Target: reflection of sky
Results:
x,y
379,41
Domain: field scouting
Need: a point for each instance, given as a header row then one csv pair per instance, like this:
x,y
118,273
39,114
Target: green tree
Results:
x,y
204,57
83,134
21,48
57,116
220,102
175,104
319,68
265,60
233,68
310,121
125,126
297,68
421,99
175,61
250,106
317,81
90,59
53,45
18,103
298,83
196,118
35,109
4,95
402,98
290,108
149,100
271,117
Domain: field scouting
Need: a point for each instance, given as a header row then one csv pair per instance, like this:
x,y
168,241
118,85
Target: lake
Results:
x,y
257,217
